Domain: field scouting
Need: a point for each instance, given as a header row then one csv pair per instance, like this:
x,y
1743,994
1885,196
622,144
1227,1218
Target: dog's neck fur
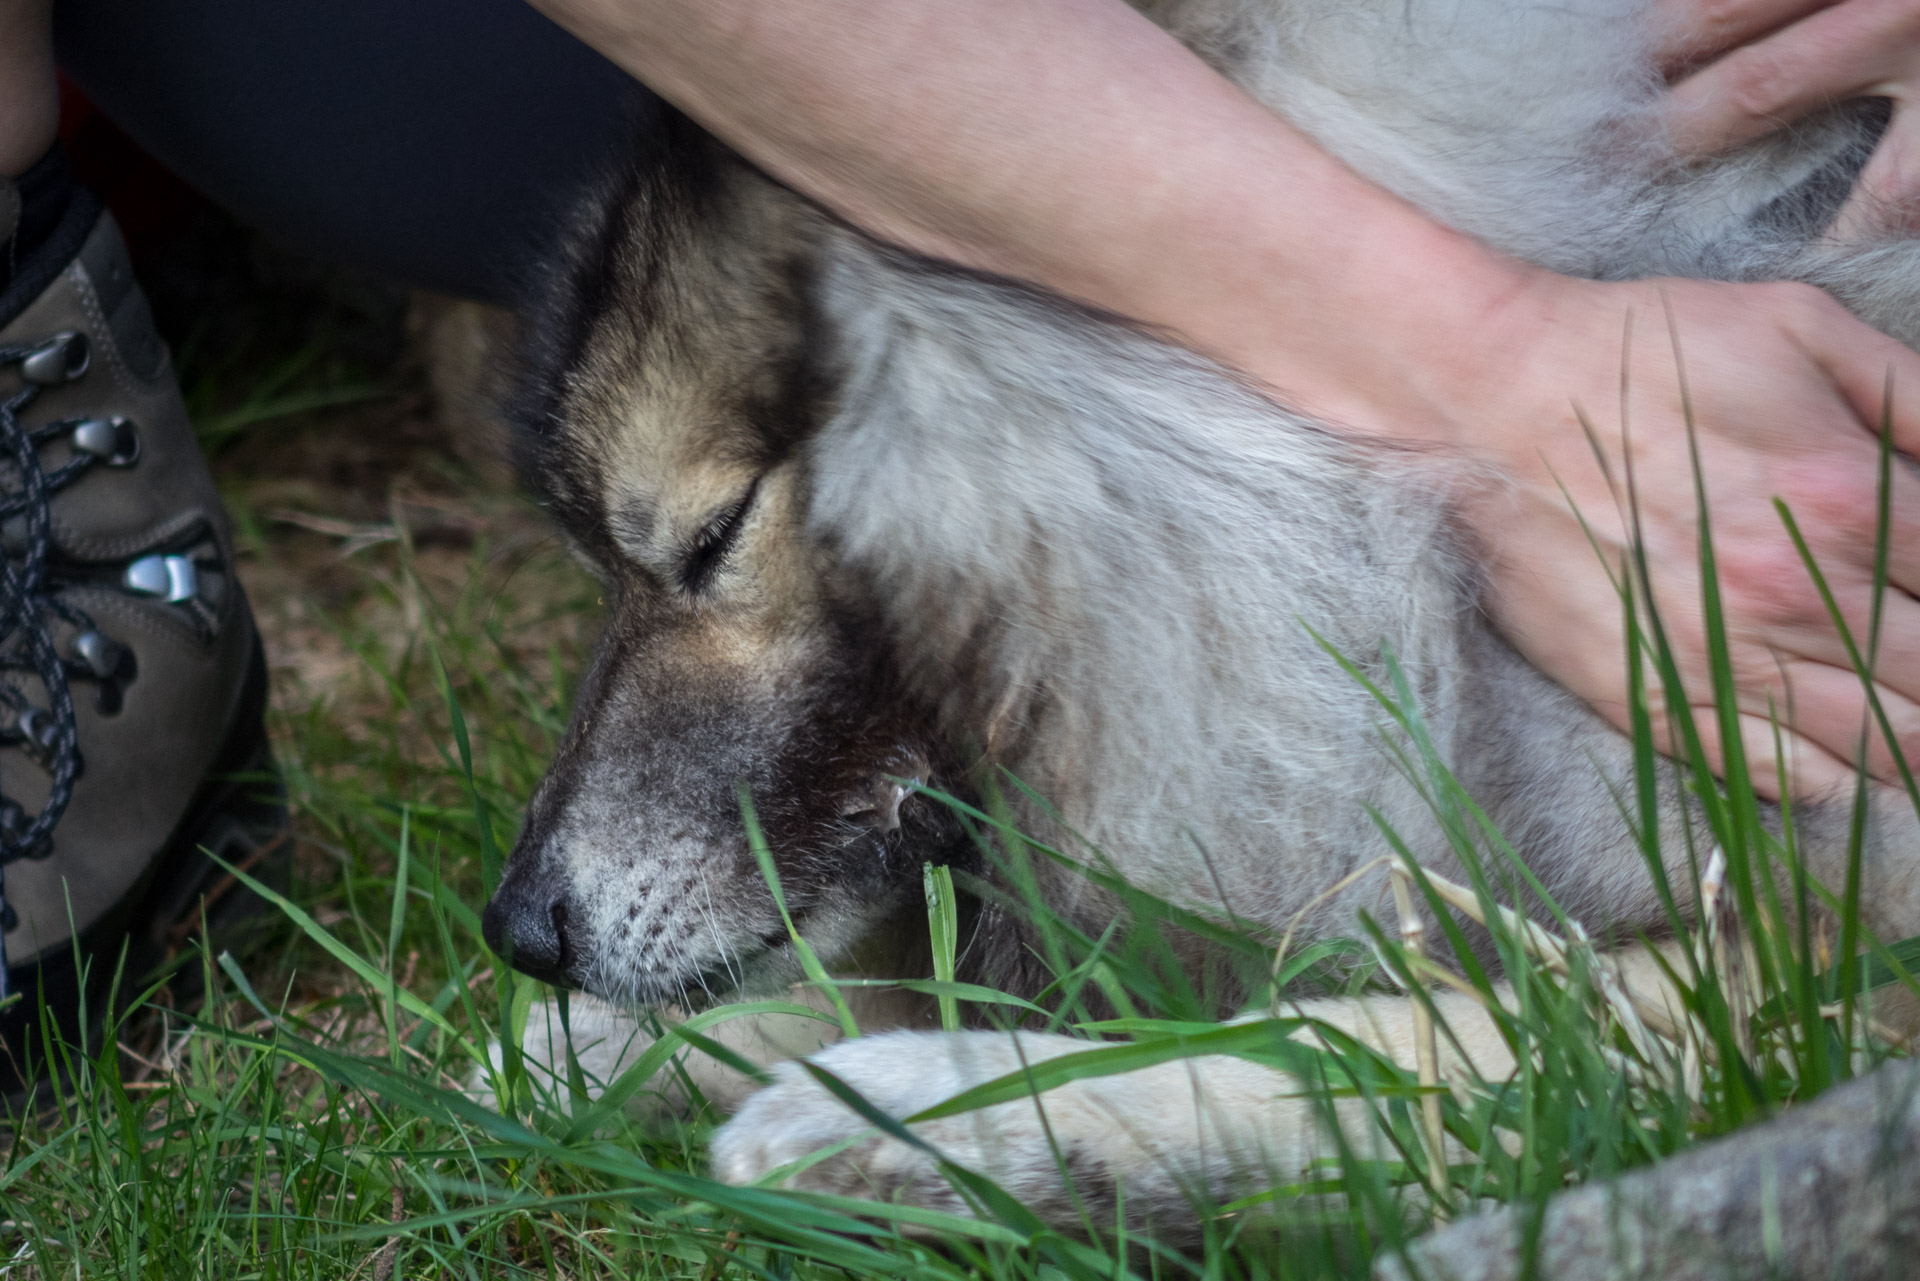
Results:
x,y
1129,548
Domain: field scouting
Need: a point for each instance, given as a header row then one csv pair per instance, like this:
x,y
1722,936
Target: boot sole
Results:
x,y
240,815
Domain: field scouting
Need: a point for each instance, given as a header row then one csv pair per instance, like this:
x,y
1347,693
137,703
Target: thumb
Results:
x,y
1886,199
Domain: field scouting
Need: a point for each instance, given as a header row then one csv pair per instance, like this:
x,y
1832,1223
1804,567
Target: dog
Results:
x,y
869,521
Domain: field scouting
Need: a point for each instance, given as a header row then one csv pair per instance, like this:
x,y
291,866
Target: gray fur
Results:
x,y
985,523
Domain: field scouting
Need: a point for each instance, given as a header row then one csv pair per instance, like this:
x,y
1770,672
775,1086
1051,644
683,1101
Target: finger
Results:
x,y
1829,706
1809,639
1776,752
1846,51
1810,770
1865,366
1896,660
1691,31
1835,504
1886,198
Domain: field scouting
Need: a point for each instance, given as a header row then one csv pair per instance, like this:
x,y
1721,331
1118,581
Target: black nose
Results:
x,y
530,931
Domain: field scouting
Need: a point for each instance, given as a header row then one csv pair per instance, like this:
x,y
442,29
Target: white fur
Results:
x,y
1177,1137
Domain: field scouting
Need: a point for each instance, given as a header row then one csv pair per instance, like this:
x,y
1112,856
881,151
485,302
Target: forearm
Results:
x,y
1076,145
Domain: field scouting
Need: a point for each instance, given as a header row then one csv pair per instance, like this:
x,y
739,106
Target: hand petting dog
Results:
x,y
1742,69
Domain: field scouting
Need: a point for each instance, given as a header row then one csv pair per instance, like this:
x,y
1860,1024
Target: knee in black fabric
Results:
x,y
437,142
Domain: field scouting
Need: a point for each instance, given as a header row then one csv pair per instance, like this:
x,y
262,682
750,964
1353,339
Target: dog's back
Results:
x,y
1538,129
1151,536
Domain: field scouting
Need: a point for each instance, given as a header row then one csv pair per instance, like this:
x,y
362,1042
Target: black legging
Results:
x,y
434,141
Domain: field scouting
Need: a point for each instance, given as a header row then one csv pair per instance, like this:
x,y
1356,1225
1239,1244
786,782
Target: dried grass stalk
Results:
x,y
1426,1044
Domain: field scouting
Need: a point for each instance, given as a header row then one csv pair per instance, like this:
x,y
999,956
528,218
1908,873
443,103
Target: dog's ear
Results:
x,y
680,319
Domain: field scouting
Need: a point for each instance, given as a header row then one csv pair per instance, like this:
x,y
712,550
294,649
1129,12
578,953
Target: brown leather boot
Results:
x,y
131,683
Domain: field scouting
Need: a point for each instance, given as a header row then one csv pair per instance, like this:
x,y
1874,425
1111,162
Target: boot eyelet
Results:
x,y
14,823
170,578
109,664
106,658
60,359
37,726
114,441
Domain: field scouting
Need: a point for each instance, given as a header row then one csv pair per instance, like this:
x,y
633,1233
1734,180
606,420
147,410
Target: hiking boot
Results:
x,y
132,687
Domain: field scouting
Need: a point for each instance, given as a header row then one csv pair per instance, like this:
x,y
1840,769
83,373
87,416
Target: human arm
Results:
x,y
1745,68
1075,145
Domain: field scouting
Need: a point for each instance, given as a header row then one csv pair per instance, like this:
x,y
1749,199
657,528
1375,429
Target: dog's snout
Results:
x,y
530,931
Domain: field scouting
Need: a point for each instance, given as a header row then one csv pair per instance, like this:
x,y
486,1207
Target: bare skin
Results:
x,y
29,94
1076,145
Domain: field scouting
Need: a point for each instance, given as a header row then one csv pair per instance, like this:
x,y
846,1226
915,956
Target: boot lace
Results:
x,y
28,607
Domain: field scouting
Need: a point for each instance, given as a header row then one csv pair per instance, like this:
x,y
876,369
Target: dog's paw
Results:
x,y
606,1041
1140,1132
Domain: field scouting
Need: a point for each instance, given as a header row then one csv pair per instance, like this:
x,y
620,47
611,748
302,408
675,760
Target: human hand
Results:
x,y
1787,395
1786,392
1745,68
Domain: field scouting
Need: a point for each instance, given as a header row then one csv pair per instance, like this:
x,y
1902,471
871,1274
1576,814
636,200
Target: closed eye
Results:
x,y
707,550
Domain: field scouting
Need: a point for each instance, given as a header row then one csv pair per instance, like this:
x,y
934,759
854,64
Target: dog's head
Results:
x,y
670,388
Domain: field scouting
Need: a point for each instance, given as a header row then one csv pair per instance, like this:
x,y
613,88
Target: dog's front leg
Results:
x,y
607,1041
1153,1145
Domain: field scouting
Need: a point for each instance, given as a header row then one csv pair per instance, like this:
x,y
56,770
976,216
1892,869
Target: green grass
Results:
x,y
307,1118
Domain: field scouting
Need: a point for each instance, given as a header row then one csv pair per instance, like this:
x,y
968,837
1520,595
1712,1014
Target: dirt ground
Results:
x,y
353,520
354,432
